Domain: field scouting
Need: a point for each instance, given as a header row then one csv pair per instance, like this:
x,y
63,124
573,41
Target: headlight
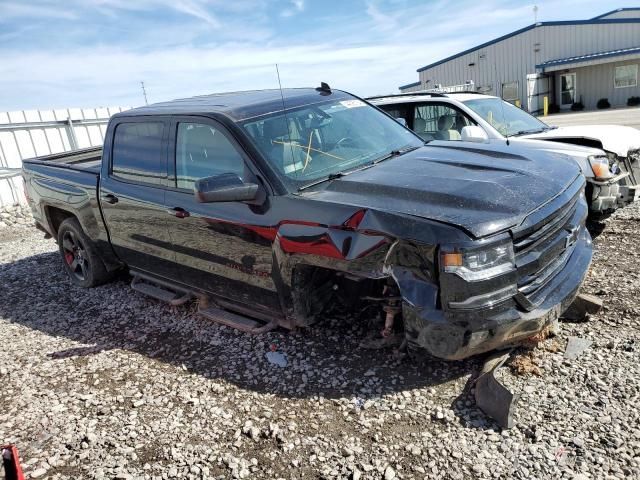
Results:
x,y
600,166
473,265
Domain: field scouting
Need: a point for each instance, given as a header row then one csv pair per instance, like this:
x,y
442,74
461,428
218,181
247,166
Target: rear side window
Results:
x,y
439,122
137,153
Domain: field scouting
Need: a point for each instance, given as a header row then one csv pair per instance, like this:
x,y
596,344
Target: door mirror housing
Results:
x,y
227,187
473,133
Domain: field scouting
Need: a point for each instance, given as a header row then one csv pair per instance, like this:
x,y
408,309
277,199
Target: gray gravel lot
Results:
x,y
107,384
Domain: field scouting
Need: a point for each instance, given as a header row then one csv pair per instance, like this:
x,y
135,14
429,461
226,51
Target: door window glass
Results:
x,y
203,151
439,122
137,153
568,89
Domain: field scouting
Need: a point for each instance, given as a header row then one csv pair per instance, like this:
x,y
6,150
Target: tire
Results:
x,y
80,260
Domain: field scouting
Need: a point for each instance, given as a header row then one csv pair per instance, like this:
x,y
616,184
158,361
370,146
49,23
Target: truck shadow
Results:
x,y
324,360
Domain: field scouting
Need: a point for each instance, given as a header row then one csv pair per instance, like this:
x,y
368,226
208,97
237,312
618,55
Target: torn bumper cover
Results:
x,y
608,195
460,335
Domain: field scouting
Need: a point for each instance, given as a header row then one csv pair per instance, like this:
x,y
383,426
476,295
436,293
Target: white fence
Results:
x,y
32,133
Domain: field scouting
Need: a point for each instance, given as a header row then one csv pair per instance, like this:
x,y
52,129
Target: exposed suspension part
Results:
x,y
392,306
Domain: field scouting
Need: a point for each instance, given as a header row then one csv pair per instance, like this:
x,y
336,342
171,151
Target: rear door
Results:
x,y
226,247
132,194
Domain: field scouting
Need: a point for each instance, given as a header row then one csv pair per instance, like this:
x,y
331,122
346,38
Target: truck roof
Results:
x,y
239,106
411,97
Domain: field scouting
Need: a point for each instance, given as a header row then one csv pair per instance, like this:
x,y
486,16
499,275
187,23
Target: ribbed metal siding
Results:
x,y
513,58
31,133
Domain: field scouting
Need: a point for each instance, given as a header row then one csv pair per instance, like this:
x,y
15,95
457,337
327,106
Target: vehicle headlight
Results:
x,y
482,264
601,166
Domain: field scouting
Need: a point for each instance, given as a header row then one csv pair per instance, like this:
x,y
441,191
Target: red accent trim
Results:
x,y
354,221
322,247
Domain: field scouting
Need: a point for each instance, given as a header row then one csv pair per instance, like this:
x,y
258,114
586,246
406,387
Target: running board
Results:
x,y
236,321
162,291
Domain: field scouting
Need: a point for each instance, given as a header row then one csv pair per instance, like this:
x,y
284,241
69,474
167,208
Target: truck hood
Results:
x,y
479,190
613,138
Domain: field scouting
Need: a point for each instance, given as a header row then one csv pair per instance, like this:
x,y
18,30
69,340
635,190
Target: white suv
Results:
x,y
463,118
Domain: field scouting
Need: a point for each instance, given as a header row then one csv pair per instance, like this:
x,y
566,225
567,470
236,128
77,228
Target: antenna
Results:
x,y
535,14
286,119
144,93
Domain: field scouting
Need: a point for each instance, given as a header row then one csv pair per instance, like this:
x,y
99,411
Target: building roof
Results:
x,y
590,58
593,21
240,105
409,85
605,15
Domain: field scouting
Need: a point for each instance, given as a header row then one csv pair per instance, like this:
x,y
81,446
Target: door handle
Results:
x,y
110,198
178,212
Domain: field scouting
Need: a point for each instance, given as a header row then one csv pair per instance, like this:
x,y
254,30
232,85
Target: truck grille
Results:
x,y
542,250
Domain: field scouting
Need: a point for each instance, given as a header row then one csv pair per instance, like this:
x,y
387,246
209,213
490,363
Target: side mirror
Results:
x,y
226,187
401,121
473,133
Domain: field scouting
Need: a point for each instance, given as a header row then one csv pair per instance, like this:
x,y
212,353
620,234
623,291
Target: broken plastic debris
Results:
x,y
277,358
492,397
358,402
575,346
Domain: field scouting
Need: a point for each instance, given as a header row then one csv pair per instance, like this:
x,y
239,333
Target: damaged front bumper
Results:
x,y
463,334
609,195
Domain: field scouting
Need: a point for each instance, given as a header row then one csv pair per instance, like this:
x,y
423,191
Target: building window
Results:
x,y
626,76
510,92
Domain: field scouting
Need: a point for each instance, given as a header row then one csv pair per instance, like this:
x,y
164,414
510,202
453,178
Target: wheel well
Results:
x,y
317,290
56,217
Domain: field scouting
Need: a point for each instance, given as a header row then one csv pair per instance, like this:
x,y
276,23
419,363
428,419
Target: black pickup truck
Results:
x,y
269,207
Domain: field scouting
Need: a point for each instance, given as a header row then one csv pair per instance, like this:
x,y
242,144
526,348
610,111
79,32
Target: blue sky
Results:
x,y
89,53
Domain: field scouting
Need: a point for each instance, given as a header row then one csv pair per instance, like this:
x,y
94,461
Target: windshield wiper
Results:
x,y
524,132
395,153
331,176
334,176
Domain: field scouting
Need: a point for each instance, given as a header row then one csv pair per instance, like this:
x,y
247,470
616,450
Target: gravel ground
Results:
x,y
107,384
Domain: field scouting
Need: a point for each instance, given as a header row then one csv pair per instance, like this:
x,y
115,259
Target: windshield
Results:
x,y
323,140
506,118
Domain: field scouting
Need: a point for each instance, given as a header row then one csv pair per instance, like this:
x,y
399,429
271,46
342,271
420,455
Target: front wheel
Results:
x,y
79,257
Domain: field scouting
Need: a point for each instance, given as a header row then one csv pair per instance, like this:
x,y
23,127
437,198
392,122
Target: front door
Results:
x,y
567,89
224,248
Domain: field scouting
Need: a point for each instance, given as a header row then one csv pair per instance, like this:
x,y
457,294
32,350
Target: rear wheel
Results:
x,y
79,257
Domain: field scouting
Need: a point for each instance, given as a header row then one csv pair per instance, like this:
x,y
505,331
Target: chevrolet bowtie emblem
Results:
x,y
572,237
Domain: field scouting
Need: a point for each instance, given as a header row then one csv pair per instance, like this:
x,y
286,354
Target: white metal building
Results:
x,y
31,133
568,61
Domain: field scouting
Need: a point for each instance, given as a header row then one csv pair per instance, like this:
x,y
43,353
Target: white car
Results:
x,y
609,157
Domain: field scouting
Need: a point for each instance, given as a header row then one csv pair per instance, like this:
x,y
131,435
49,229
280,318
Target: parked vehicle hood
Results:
x,y
614,138
482,191
540,148
570,149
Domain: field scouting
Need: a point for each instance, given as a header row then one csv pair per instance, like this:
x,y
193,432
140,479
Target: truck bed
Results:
x,y
87,160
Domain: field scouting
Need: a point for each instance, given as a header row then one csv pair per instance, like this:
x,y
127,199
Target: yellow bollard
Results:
x,y
518,104
546,105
